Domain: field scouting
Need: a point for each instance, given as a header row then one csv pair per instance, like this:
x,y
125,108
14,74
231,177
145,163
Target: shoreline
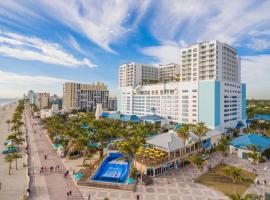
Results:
x,y
13,186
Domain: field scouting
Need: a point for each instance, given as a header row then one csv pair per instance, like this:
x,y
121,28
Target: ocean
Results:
x,y
6,101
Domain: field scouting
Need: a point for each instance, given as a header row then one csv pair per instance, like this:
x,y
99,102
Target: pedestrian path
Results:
x,y
51,184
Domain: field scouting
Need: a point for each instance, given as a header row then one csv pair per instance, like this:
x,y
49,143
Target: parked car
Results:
x,y
8,150
6,142
205,156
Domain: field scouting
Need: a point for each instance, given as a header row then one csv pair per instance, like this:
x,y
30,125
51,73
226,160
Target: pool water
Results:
x,y
112,169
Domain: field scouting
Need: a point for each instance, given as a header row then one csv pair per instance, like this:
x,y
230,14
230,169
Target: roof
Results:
x,y
152,118
167,141
104,115
262,117
244,141
170,141
132,118
121,117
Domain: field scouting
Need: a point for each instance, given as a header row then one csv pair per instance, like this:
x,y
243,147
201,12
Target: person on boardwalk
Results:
x,y
67,194
138,197
45,157
89,197
70,192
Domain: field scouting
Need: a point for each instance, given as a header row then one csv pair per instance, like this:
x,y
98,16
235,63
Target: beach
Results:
x,y
13,186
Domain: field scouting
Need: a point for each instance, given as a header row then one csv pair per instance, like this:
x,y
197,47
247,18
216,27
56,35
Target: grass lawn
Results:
x,y
217,179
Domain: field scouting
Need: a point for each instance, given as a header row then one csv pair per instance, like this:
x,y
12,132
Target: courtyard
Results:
x,y
179,184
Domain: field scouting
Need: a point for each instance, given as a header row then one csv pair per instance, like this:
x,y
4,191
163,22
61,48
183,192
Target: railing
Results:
x,y
129,187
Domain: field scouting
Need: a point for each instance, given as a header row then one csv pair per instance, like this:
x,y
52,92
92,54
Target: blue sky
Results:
x,y
45,43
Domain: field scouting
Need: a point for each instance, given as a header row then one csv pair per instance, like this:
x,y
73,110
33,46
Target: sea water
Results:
x,y
7,101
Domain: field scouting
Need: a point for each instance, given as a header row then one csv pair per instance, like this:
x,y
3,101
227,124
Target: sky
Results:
x,y
46,43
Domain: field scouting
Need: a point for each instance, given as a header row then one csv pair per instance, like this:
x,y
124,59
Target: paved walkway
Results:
x,y
178,184
50,185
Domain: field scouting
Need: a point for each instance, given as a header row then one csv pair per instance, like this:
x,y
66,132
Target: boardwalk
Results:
x,y
50,185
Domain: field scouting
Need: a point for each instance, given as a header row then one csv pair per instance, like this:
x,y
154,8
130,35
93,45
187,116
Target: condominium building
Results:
x,y
209,90
112,103
84,96
169,72
210,61
42,99
134,74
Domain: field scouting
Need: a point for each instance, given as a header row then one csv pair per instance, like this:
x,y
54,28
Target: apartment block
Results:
x,y
112,103
84,96
42,99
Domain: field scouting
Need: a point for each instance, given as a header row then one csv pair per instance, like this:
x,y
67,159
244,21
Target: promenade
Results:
x,y
51,185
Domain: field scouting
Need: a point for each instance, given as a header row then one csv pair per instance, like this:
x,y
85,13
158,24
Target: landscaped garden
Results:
x,y
227,179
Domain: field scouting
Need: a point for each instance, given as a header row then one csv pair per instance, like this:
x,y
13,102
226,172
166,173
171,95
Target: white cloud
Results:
x,y
255,72
163,54
196,20
259,44
103,22
32,48
15,85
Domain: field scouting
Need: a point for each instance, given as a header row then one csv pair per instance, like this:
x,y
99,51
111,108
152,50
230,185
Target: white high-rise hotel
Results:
x,y
206,87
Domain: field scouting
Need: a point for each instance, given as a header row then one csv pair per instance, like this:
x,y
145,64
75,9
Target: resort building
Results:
x,y
208,90
31,96
112,103
84,96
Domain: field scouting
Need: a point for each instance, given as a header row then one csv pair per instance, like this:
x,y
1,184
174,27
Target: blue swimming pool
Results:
x,y
112,169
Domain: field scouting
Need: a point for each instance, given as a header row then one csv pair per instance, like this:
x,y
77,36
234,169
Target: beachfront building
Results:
x,y
209,89
80,96
168,151
42,99
56,100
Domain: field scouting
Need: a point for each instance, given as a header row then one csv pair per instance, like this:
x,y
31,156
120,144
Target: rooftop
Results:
x,y
244,141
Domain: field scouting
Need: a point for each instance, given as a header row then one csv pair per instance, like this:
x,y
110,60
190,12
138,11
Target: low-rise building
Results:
x,y
44,113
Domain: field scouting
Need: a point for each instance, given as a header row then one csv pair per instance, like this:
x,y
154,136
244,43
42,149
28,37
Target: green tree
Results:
x,y
9,158
183,133
246,197
254,155
200,129
8,122
198,162
235,175
16,157
223,145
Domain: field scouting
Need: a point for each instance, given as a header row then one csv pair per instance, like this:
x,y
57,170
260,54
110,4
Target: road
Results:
x,y
49,185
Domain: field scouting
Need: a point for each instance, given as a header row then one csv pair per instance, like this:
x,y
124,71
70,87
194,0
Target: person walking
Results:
x,y
0,186
265,183
89,197
138,197
67,194
70,193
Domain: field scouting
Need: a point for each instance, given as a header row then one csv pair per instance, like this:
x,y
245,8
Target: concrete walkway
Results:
x,y
49,185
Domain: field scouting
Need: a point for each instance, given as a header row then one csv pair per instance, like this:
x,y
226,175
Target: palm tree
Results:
x,y
200,129
16,157
246,197
254,154
235,175
223,145
131,146
183,133
8,122
9,158
198,162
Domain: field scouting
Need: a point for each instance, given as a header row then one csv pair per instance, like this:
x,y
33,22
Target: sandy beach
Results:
x,y
13,186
